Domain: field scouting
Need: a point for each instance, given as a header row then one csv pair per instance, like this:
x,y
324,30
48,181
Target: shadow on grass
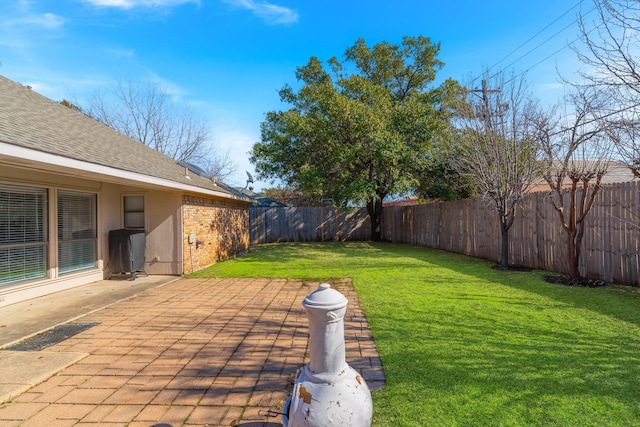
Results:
x,y
536,352
617,301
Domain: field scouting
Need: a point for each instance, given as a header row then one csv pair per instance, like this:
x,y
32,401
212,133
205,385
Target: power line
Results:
x,y
612,113
533,37
539,45
530,51
552,54
535,65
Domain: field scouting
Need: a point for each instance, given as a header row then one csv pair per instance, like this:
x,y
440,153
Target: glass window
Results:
x,y
23,233
77,231
133,211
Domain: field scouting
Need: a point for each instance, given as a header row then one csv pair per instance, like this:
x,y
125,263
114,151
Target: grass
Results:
x,y
465,345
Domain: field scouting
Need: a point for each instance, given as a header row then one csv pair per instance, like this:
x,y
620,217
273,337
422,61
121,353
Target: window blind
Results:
x,y
23,233
134,211
77,231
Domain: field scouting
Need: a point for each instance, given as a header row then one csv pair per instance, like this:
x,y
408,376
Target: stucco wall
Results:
x,y
220,230
162,226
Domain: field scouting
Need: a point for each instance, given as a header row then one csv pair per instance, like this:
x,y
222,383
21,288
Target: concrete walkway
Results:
x,y
207,352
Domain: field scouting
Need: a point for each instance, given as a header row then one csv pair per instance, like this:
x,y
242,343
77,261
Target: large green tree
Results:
x,y
360,129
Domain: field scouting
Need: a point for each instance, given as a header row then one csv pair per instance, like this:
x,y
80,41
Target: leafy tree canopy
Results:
x,y
360,129
441,180
71,105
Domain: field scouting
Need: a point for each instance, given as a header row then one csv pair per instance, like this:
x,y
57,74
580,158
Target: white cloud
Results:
x,y
271,13
19,23
45,20
129,4
19,18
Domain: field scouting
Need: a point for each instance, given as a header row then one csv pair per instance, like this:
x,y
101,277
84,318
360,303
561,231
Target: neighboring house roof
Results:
x,y
36,129
616,171
261,201
410,201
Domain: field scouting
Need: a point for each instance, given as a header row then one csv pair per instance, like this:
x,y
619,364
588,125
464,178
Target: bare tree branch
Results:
x,y
576,151
146,112
498,148
609,49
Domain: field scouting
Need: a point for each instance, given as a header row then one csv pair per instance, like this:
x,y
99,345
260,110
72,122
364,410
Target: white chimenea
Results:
x,y
327,391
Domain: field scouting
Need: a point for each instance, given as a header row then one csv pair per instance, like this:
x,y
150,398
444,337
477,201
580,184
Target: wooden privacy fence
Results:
x,y
537,240
610,248
270,225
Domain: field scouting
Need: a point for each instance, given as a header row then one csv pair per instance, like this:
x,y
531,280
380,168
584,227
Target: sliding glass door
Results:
x,y
77,231
23,233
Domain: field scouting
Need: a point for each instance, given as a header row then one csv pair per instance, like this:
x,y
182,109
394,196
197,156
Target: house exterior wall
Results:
x,y
163,254
170,216
55,282
220,230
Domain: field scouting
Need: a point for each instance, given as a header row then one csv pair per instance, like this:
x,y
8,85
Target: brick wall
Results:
x,y
221,229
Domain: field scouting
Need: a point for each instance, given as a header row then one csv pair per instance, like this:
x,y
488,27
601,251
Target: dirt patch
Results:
x,y
511,268
581,282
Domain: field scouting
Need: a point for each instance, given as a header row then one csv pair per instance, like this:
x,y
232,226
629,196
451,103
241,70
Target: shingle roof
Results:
x,y
33,121
616,172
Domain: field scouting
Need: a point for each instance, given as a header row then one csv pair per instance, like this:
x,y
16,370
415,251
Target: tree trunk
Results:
x,y
573,251
374,208
504,253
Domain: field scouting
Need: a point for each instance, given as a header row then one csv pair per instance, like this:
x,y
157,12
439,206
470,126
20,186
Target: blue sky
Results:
x,y
229,58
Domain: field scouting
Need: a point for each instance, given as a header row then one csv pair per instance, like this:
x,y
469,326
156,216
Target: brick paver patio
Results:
x,y
206,352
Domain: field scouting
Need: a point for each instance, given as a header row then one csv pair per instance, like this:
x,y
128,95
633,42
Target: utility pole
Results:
x,y
485,100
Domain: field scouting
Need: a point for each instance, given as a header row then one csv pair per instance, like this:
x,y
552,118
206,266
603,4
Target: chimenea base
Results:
x,y
345,401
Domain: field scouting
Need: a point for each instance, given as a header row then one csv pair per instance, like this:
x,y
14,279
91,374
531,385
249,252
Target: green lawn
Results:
x,y
465,345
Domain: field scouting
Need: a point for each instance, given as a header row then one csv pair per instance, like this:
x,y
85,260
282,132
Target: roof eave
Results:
x,y
14,155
